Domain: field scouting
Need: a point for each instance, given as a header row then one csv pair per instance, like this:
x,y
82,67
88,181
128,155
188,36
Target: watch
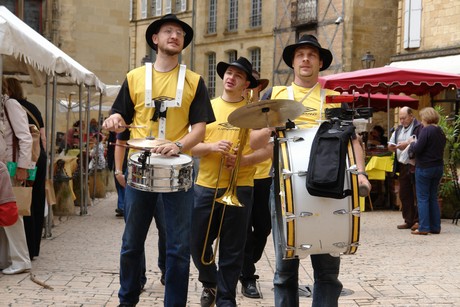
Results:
x,y
118,172
179,145
362,173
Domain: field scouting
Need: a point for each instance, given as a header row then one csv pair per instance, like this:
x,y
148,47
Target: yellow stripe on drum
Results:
x,y
354,233
288,197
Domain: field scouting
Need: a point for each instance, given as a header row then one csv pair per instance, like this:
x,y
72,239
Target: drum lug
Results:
x,y
305,246
354,212
288,174
282,140
289,216
298,139
343,244
304,214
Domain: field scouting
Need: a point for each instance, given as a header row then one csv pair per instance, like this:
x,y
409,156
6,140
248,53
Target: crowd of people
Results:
x,y
190,221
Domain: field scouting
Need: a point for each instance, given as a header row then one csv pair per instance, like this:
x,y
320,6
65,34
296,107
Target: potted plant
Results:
x,y
447,188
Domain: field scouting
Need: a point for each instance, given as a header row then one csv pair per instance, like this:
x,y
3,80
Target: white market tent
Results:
x,y
24,51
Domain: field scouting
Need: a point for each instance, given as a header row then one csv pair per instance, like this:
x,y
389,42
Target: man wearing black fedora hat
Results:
x,y
188,110
307,58
219,283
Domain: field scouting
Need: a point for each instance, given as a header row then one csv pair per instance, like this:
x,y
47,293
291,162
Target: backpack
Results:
x,y
326,168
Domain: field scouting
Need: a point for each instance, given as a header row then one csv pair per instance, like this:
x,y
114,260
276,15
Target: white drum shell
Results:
x,y
160,173
318,229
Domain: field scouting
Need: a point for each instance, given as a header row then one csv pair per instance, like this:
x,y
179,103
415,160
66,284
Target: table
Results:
x,y
378,167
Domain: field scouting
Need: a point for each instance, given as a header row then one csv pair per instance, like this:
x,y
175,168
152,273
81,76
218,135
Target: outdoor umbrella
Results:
x,y
388,80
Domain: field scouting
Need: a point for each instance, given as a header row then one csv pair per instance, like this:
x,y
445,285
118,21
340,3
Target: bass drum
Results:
x,y
157,173
308,224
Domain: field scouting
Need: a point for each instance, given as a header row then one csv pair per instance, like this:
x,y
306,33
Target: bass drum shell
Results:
x,y
313,225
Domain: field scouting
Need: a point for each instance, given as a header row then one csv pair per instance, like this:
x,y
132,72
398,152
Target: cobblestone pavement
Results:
x,y
391,267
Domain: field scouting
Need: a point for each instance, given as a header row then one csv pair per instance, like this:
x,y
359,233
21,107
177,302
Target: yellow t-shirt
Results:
x,y
222,130
310,118
165,84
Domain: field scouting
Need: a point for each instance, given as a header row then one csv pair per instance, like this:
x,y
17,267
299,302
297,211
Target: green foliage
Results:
x,y
451,128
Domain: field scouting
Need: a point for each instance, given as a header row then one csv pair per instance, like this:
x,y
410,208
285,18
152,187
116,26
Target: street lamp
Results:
x,y
368,60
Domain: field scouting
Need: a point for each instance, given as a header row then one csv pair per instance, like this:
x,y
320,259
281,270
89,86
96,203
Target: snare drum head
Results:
x,y
157,159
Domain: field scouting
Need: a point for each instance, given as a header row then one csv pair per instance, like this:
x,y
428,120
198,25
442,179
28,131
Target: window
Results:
x,y
232,56
256,14
32,12
156,8
180,6
211,75
144,9
412,23
168,7
306,11
212,19
255,59
232,15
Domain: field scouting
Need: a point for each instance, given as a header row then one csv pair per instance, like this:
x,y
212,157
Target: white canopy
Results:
x,y
26,51
448,64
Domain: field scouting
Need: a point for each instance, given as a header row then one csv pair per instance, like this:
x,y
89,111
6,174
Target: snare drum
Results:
x,y
159,173
309,224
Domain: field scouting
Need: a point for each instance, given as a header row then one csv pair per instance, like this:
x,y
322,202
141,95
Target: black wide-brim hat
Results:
x,y
243,64
155,26
309,40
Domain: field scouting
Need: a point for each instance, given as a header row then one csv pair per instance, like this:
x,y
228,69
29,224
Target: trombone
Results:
x,y
229,198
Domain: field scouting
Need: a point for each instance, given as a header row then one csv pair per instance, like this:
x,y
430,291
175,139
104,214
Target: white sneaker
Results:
x,y
12,270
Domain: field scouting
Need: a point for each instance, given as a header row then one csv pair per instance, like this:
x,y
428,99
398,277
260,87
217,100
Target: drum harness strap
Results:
x,y
290,91
161,103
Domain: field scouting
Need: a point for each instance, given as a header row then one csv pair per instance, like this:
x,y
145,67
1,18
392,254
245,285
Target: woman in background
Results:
x,y
34,223
13,122
429,164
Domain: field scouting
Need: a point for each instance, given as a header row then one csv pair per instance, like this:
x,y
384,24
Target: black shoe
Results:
x,y
162,279
249,289
126,305
208,297
119,213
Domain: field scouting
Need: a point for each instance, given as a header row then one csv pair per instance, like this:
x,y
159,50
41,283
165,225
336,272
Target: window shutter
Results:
x,y
415,23
406,23
183,5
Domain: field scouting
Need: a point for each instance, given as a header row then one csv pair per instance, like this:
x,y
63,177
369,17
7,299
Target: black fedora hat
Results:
x,y
310,40
243,64
155,26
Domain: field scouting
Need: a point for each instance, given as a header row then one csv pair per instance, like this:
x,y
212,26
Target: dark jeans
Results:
x,y
259,228
232,241
139,211
326,287
407,194
33,224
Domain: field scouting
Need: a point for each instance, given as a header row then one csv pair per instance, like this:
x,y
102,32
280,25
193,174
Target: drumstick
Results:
x,y
131,146
132,126
138,147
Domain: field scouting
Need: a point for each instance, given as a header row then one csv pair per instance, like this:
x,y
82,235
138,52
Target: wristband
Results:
x,y
363,173
118,172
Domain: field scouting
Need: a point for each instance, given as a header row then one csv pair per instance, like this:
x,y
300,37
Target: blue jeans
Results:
x,y
427,183
140,211
326,287
121,195
232,241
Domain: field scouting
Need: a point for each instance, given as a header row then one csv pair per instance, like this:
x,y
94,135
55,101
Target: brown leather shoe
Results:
x,y
403,226
417,232
414,227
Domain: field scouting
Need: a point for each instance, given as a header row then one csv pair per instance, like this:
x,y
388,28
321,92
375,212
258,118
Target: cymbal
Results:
x,y
266,113
147,142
